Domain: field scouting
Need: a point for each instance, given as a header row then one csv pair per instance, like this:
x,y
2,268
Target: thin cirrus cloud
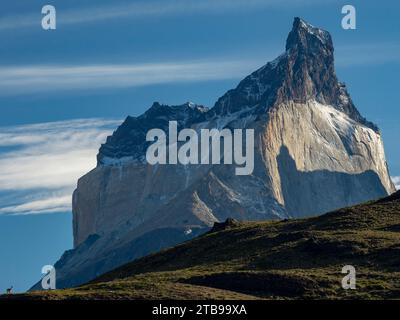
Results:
x,y
44,78
30,79
40,163
144,9
367,54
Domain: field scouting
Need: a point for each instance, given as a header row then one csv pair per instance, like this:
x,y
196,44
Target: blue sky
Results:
x,y
110,59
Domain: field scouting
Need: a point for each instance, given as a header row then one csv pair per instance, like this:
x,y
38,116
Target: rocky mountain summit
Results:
x,y
314,152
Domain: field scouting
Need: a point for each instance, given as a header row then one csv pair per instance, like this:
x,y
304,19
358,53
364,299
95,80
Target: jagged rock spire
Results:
x,y
310,72
305,36
303,73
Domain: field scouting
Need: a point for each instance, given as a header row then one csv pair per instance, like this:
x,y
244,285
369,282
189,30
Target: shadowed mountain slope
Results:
x,y
289,259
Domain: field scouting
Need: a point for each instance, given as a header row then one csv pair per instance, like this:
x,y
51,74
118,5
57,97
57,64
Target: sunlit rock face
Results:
x,y
314,152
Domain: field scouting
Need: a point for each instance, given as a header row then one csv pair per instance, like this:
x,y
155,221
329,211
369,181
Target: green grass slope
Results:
x,y
294,259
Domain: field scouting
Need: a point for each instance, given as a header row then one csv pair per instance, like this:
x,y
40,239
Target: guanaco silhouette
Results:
x,y
9,290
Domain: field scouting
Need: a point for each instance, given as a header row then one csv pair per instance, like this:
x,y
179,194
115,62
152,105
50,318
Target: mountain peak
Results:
x,y
305,35
304,72
299,23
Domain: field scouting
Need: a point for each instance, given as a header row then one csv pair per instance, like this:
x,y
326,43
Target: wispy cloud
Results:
x,y
396,181
144,9
28,79
367,54
36,78
53,204
40,163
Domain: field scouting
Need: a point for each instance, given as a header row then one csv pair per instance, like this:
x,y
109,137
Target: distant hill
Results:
x,y
290,259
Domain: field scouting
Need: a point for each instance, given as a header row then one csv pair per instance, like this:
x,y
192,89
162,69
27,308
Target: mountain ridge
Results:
x,y
288,259
313,153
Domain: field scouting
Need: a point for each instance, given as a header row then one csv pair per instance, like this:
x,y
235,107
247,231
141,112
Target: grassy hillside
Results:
x,y
292,259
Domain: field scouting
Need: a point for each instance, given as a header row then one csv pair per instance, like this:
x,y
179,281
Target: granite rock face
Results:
x,y
314,152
